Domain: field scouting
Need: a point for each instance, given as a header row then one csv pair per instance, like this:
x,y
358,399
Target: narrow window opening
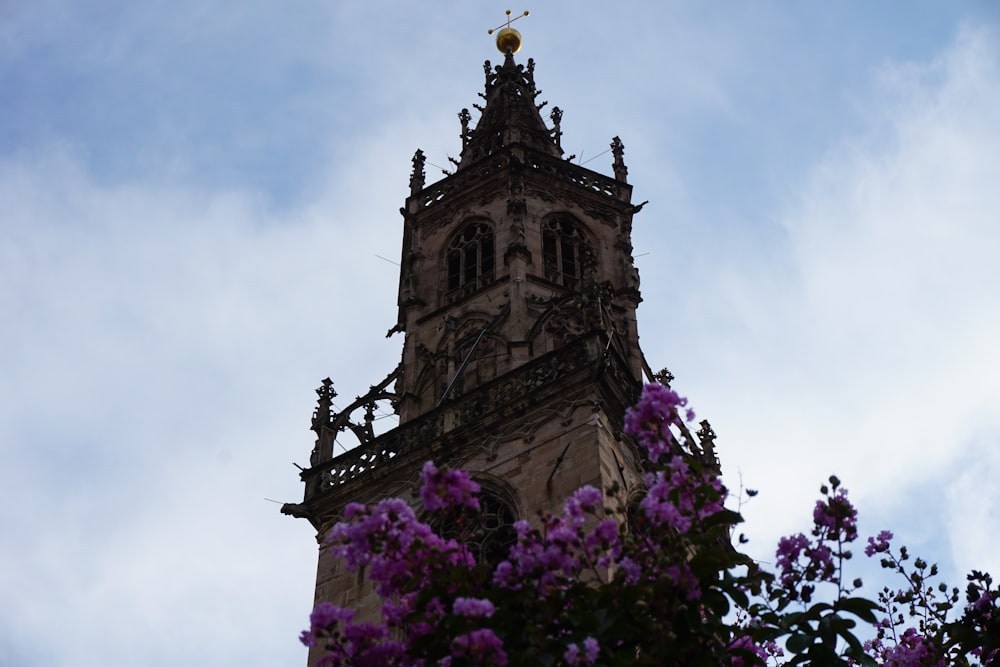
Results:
x,y
563,250
469,261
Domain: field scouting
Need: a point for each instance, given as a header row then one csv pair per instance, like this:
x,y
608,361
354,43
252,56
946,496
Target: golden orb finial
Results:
x,y
508,39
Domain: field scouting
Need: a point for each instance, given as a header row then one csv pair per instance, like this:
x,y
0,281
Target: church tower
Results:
x,y
517,300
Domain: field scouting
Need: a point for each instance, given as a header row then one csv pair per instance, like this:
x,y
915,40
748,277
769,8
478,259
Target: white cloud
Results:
x,y
866,345
158,365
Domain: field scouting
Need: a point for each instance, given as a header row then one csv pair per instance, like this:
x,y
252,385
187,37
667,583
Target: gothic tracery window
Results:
x,y
564,251
470,257
498,536
489,533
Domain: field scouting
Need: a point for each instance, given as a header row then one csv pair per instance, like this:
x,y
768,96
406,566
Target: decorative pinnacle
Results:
x,y
508,39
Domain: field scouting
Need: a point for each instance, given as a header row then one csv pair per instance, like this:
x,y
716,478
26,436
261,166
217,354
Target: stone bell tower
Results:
x,y
517,299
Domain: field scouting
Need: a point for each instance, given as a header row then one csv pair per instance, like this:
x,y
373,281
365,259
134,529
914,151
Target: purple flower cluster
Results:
x,y
802,562
912,650
744,652
473,607
878,544
349,643
398,550
479,647
553,558
584,653
650,420
680,498
835,518
447,488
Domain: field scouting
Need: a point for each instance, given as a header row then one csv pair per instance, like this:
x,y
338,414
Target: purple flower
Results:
x,y
836,518
745,644
591,648
913,650
585,499
481,645
631,570
651,418
473,607
878,544
588,656
399,551
789,550
326,614
447,488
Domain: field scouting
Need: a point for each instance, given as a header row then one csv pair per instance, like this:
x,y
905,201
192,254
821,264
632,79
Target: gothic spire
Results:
x,y
510,115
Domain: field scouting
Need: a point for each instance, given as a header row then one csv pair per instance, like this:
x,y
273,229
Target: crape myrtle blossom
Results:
x,y
651,418
914,650
473,607
479,647
447,488
597,584
878,544
583,654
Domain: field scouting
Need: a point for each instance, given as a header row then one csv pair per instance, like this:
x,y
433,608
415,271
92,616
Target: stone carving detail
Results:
x,y
533,162
321,419
328,424
618,151
706,436
408,279
464,117
556,117
498,397
417,176
664,377
604,214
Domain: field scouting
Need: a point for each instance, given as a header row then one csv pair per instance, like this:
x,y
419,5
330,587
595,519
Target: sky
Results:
x,y
196,197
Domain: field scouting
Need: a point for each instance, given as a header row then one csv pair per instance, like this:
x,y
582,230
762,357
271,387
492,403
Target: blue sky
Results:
x,y
193,197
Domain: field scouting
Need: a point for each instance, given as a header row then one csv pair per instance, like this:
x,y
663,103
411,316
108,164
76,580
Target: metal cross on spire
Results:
x,y
508,39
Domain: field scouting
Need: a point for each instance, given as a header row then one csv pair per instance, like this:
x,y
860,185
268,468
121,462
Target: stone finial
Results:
x,y
618,151
322,413
464,117
706,436
556,117
664,377
418,175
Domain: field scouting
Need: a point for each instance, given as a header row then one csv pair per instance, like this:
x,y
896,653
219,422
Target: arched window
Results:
x,y
564,251
498,535
470,257
489,533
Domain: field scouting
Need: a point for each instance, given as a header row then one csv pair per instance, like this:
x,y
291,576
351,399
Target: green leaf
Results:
x,y
798,642
863,608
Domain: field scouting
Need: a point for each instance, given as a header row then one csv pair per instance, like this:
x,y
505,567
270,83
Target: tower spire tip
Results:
x,y
508,39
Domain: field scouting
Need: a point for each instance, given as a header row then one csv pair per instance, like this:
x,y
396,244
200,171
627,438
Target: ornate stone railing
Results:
x,y
585,178
511,390
533,161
